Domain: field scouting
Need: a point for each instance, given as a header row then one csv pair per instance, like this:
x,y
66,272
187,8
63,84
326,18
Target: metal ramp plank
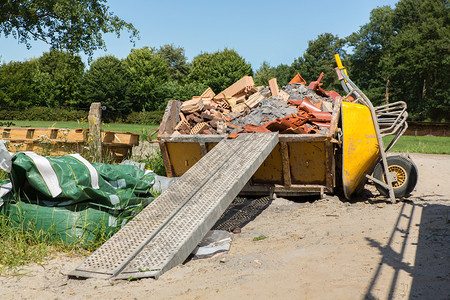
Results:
x,y
112,257
114,253
173,244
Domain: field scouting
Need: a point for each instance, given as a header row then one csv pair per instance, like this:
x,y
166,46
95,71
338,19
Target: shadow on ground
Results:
x,y
431,269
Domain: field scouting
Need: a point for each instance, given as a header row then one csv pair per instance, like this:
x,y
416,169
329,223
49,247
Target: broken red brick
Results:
x,y
321,116
250,128
291,130
192,105
321,124
199,128
314,85
234,126
232,136
295,102
197,119
235,88
298,79
190,117
275,126
308,106
208,93
213,123
207,116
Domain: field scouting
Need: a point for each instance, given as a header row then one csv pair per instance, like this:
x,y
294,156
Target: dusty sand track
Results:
x,y
323,249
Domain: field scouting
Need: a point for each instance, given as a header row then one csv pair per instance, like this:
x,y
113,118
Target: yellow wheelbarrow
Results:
x,y
363,150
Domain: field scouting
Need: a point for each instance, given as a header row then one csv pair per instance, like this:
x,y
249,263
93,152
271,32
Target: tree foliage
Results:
x,y
319,57
146,73
219,70
176,62
106,82
57,79
284,74
73,25
16,84
370,43
264,74
402,53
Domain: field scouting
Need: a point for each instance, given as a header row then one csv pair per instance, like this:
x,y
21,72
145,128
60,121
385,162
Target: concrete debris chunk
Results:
x,y
268,110
192,105
283,95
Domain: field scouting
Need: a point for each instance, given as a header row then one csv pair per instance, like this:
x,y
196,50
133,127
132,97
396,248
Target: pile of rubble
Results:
x,y
242,107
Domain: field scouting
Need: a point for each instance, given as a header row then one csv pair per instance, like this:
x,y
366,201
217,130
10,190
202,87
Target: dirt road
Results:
x,y
315,249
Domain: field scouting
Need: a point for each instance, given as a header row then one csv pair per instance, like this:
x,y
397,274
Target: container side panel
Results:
x,y
271,170
308,162
209,146
183,156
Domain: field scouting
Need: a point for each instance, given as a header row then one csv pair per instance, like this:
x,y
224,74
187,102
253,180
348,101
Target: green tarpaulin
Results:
x,y
72,198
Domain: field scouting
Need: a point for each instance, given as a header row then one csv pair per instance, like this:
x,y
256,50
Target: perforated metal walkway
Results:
x,y
165,232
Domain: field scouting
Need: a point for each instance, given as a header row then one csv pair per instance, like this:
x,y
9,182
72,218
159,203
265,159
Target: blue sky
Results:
x,y
273,31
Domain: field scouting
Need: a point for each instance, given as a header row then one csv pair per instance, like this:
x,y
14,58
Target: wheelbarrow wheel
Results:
x,y
405,176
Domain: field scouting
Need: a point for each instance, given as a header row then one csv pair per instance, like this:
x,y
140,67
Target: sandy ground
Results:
x,y
315,249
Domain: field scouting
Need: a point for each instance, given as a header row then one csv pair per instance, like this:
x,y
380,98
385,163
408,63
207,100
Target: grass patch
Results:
x,y
259,238
420,144
28,236
19,247
153,161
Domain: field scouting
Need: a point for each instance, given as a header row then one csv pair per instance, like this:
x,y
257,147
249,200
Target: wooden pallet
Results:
x,y
57,141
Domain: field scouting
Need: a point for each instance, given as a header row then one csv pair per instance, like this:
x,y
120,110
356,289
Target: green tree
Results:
x,y
219,70
264,74
73,25
319,57
370,43
403,54
106,82
16,84
200,67
57,79
284,74
176,61
173,90
146,73
419,61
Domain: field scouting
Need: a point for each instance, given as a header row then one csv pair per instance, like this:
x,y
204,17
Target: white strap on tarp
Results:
x,y
5,189
92,170
48,174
